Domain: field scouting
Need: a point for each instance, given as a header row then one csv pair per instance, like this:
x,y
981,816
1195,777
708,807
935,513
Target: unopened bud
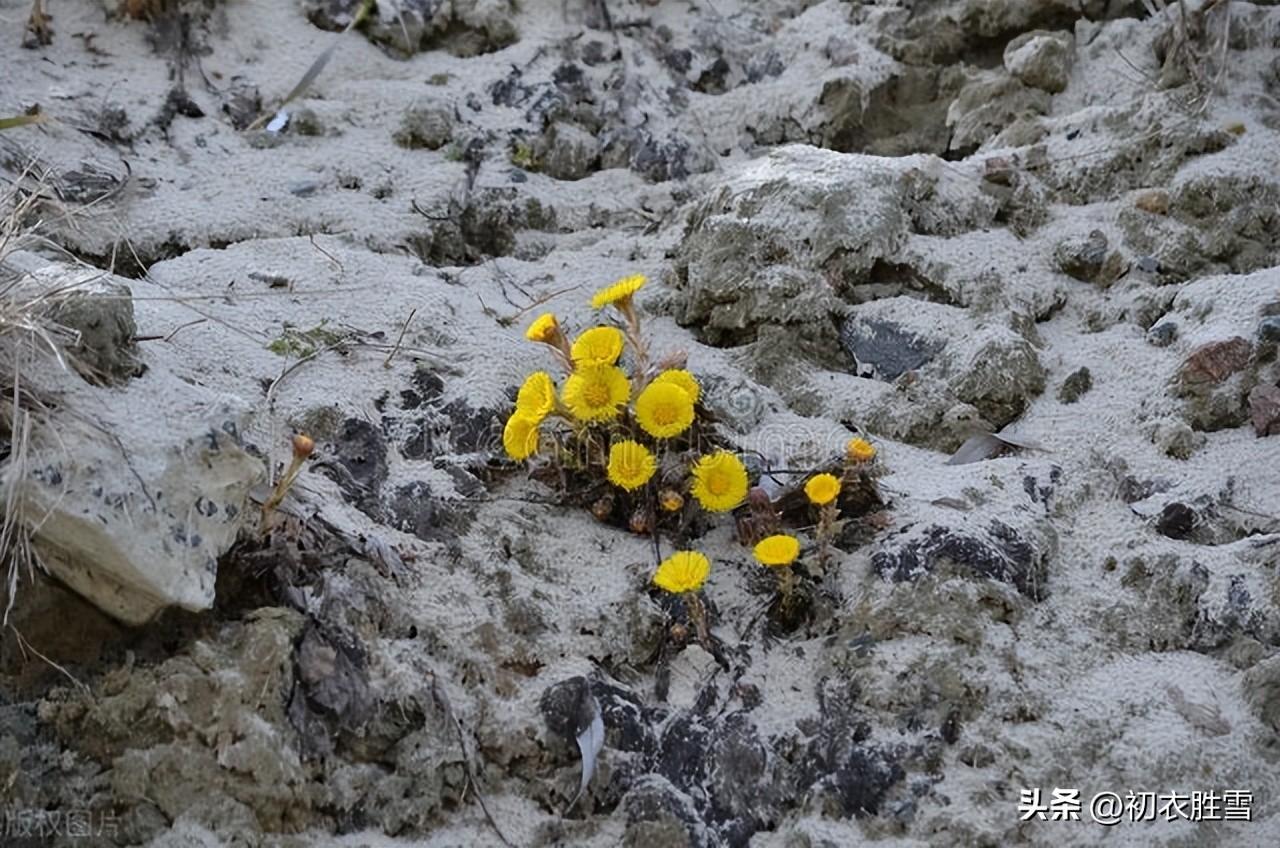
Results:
x,y
640,521
603,508
303,445
670,500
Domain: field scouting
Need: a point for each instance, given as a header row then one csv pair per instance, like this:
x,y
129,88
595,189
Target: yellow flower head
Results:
x,y
520,436
596,392
664,410
777,550
860,450
545,328
597,346
719,481
822,489
631,464
619,293
683,379
683,571
537,397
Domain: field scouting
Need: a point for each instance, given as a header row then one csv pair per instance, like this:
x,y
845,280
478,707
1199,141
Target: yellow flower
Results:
x,y
545,328
822,489
595,392
631,464
664,410
598,346
719,481
683,379
860,450
683,571
520,436
619,293
778,550
537,397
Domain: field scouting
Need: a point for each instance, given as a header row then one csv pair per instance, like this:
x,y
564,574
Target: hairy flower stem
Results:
x,y
302,447
698,616
632,332
826,524
786,583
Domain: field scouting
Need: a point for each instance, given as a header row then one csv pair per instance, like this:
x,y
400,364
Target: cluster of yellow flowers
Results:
x,y
635,415
597,391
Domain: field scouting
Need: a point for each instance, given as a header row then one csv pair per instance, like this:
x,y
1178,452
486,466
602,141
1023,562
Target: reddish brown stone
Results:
x,y
1264,409
1216,361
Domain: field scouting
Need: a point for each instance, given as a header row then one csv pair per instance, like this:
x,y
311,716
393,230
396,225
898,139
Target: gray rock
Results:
x,y
139,490
790,232
1086,258
986,105
1269,329
1176,438
1163,333
100,312
1041,59
429,127
995,551
1076,384
567,152
463,28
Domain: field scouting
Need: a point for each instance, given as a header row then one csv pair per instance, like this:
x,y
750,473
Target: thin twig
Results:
x,y
27,646
443,700
386,363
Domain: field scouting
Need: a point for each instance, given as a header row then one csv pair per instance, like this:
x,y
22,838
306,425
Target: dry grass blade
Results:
x,y
22,120
30,345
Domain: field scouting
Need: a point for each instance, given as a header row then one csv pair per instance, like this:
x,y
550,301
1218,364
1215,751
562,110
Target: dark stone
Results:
x,y
885,350
427,387
360,463
331,688
1083,258
1176,521
628,723
1163,334
1269,329
413,509
472,430
568,708
861,783
659,814
997,553
1079,382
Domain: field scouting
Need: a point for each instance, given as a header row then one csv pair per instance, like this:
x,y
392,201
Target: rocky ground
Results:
x,y
1056,221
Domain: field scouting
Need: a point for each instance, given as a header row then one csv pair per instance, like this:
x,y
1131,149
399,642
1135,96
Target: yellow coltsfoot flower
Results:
x,y
683,379
537,397
597,346
860,450
683,571
719,481
618,293
596,392
664,410
631,464
822,489
520,436
545,328
777,550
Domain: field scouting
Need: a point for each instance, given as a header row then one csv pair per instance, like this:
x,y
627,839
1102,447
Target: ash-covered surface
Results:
x,y
1053,219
